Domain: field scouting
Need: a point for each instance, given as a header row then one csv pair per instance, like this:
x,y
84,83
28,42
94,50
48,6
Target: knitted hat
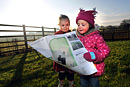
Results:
x,y
87,16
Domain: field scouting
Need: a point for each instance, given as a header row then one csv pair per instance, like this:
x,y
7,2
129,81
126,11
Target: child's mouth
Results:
x,y
81,30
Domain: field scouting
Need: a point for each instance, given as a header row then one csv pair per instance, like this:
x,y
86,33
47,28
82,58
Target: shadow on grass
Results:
x,y
5,62
17,78
8,60
35,53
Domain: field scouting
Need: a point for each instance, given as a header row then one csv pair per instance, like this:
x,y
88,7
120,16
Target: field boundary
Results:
x,y
13,45
18,43
115,34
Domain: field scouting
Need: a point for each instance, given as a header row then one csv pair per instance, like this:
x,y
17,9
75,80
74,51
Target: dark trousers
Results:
x,y
85,81
69,75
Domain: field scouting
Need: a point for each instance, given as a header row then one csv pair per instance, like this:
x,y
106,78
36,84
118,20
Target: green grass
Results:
x,y
30,70
117,70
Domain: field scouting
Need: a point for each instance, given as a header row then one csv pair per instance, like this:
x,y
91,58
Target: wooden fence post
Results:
x,y
113,35
25,38
16,45
54,30
34,37
42,31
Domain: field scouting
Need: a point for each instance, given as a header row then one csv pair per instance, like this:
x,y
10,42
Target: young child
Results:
x,y
95,45
64,24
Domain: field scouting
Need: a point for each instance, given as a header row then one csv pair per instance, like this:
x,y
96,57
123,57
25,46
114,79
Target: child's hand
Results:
x,y
90,56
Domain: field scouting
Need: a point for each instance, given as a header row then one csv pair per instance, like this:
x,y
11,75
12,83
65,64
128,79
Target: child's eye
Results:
x,y
83,25
62,25
67,24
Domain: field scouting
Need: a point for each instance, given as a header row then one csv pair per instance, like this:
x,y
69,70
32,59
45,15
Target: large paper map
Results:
x,y
65,49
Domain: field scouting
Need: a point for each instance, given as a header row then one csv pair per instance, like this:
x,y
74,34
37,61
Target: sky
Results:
x,y
46,12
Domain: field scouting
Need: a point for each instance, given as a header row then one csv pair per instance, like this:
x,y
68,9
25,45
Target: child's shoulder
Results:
x,y
61,32
96,35
58,32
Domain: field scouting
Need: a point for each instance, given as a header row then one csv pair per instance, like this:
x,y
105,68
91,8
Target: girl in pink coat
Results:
x,y
95,45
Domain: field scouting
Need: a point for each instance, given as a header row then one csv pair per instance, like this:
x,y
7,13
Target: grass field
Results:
x,y
33,70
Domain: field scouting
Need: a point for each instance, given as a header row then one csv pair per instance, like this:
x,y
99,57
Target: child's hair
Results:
x,y
91,26
64,17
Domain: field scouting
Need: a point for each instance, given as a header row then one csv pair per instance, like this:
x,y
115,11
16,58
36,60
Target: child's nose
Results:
x,y
65,26
79,26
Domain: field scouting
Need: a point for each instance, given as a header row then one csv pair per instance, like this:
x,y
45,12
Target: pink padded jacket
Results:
x,y
94,42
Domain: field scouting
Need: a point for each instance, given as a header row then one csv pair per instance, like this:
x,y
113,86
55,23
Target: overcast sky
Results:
x,y
46,12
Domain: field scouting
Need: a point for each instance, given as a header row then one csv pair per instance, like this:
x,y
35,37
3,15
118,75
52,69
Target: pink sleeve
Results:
x,y
102,49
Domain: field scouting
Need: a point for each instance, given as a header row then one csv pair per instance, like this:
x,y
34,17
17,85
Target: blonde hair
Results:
x,y
64,17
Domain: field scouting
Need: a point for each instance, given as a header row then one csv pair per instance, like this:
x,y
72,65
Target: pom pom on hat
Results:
x,y
87,16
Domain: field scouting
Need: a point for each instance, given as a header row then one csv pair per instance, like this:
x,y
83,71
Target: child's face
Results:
x,y
64,25
83,26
